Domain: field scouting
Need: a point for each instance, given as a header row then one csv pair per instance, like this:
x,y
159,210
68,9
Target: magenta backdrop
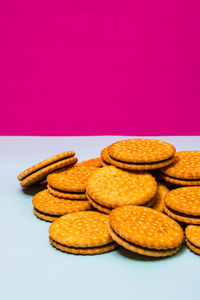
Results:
x,y
100,67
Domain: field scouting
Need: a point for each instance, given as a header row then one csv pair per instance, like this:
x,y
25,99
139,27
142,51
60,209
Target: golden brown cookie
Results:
x,y
141,167
183,204
192,235
84,251
179,182
81,233
111,187
48,207
39,171
186,166
67,195
145,231
94,162
141,151
71,179
159,197
107,160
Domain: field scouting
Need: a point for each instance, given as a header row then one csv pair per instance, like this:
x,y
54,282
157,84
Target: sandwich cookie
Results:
x,y
49,208
110,187
70,182
38,172
145,231
82,233
185,169
159,197
183,204
192,238
141,154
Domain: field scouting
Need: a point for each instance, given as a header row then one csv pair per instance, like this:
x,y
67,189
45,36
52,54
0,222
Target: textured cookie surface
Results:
x,y
143,251
46,203
141,150
113,187
192,233
42,173
71,179
161,192
84,251
94,162
67,195
145,227
180,182
45,163
186,166
141,166
84,229
185,200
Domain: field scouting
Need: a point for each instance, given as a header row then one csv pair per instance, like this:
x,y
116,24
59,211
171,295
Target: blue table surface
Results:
x,y
30,268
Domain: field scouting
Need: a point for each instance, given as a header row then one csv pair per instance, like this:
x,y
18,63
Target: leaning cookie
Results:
x,y
159,197
39,172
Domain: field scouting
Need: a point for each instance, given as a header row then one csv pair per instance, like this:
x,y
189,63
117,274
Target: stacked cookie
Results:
x,y
70,182
185,171
111,187
65,193
104,202
48,207
139,154
39,172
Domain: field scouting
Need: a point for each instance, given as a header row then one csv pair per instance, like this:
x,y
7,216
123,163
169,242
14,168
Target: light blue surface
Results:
x,y
30,268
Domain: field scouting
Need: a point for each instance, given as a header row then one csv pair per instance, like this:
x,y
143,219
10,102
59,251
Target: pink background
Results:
x,y
100,67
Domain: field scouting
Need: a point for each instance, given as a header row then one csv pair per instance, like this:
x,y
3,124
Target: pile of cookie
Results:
x,y
139,194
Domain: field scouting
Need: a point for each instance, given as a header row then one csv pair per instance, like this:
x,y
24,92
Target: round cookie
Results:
x,y
45,163
94,162
112,187
81,233
39,172
71,179
145,231
183,204
192,234
48,208
186,166
161,192
141,151
67,195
